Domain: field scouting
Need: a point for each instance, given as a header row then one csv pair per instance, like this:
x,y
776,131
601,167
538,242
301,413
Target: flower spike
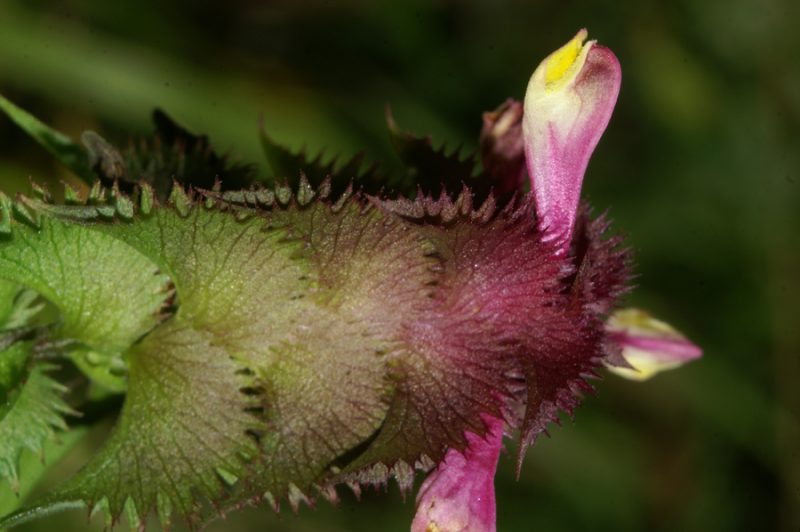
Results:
x,y
568,104
648,346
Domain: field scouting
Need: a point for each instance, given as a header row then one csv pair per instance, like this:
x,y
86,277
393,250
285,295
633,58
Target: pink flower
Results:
x,y
459,494
567,106
648,346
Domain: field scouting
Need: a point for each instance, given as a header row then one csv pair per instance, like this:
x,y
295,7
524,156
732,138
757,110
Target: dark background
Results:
x,y
700,167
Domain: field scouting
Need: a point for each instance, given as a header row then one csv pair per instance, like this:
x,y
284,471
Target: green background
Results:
x,y
700,168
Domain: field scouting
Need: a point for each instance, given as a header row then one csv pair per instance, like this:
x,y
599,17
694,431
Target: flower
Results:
x,y
467,478
568,104
648,346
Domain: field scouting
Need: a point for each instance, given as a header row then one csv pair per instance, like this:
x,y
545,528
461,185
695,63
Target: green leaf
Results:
x,y
109,295
59,145
175,153
33,467
434,171
18,305
29,417
427,169
184,420
273,370
288,166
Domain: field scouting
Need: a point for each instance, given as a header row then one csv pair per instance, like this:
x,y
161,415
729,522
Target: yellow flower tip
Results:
x,y
565,62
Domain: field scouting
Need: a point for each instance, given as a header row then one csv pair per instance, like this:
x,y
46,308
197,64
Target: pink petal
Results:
x,y
568,104
459,495
648,346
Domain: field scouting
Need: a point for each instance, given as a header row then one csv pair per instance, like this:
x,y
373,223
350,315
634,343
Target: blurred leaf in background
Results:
x,y
700,168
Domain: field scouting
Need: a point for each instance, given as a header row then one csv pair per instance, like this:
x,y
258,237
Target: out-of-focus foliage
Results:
x,y
699,166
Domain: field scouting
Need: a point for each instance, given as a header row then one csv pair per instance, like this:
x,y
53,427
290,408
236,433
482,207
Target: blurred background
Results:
x,y
700,167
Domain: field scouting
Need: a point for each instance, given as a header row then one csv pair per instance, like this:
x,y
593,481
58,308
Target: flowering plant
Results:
x,y
275,340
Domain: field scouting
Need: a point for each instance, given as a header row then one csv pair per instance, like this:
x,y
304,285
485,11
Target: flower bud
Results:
x,y
568,104
648,345
502,149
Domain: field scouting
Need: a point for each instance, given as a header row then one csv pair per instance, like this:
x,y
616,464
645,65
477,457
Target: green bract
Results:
x,y
272,373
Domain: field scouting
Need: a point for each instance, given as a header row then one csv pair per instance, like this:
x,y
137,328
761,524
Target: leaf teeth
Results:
x,y
146,199
106,211
135,521
484,214
404,474
265,197
71,196
343,199
284,194
26,215
272,502
41,192
324,189
443,210
96,194
34,416
304,192
379,474
180,200
355,487
164,509
296,497
328,492
122,203
102,508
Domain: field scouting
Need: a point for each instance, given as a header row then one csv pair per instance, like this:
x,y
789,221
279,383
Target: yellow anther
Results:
x,y
562,59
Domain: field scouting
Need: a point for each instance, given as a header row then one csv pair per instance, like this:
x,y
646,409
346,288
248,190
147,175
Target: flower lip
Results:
x,y
562,64
667,349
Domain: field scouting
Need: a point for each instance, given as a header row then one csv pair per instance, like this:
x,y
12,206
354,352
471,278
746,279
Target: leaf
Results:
x,y
272,370
427,169
29,417
109,295
174,153
431,170
33,467
185,423
59,145
289,166
18,306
